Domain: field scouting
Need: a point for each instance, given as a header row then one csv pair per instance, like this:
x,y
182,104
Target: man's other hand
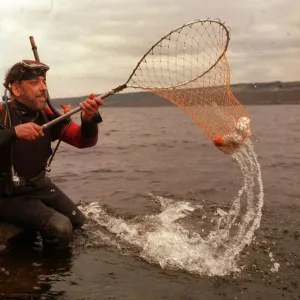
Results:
x,y
29,131
90,106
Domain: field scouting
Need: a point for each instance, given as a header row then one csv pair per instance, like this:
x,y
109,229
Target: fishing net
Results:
x,y
189,68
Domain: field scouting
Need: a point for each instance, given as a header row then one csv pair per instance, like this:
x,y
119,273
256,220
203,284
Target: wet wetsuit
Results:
x,y
39,204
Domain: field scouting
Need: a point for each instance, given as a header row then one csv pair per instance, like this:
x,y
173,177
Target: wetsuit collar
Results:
x,y
25,112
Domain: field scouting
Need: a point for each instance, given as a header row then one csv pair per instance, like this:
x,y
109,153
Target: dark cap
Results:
x,y
25,70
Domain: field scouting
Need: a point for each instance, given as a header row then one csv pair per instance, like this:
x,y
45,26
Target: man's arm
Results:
x,y
79,136
7,135
86,135
83,136
28,132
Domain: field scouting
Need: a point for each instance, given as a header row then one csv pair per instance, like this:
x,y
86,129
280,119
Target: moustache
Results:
x,y
41,95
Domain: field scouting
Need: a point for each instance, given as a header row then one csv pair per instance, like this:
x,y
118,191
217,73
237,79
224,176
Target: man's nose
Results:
x,y
43,86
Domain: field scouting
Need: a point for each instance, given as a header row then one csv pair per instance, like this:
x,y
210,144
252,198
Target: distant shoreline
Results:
x,y
263,93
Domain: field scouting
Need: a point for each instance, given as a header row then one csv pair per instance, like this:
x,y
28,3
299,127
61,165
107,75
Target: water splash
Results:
x,y
161,239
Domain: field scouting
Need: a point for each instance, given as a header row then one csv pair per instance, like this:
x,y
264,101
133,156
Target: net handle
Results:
x,y
76,110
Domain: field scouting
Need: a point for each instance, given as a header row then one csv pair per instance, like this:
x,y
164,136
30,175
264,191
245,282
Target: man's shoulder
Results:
x,y
2,107
2,110
2,115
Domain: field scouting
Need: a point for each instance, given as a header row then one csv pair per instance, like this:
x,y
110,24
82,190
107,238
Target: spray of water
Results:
x,y
161,239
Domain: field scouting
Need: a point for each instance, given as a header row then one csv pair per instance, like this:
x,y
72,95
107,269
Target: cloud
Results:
x,y
92,46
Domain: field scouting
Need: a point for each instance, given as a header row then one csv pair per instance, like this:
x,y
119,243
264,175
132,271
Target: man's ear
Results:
x,y
16,89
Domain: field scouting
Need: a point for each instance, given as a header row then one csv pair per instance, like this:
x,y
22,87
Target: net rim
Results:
x,y
216,21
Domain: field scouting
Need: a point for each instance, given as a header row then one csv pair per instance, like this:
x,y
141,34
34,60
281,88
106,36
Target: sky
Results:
x,y
93,45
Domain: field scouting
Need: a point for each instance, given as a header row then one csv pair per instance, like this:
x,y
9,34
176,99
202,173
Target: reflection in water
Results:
x,y
27,269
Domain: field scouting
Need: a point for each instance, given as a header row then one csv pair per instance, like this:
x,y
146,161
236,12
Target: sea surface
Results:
x,y
170,216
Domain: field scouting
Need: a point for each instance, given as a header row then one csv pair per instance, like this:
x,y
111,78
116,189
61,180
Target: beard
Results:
x,y
34,103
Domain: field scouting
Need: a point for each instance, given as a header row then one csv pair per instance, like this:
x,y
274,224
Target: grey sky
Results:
x,y
92,46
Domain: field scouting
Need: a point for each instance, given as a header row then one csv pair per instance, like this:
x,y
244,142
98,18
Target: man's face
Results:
x,y
31,93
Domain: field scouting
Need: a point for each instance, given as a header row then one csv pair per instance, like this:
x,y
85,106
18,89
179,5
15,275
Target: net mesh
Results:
x,y
189,68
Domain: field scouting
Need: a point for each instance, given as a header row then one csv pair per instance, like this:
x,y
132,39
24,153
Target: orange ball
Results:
x,y
218,141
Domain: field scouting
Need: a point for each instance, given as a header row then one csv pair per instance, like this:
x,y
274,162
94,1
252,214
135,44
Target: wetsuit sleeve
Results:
x,y
7,135
83,136
79,136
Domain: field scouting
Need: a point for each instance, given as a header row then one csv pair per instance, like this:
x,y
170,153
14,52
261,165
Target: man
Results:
x,y
34,202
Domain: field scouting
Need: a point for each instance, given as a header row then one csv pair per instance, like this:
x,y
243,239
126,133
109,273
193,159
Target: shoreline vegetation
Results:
x,y
262,93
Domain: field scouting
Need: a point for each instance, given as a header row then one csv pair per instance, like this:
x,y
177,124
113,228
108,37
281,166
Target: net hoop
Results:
x,y
218,22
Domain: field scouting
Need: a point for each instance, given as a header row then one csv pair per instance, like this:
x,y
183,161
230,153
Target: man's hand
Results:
x,y
29,131
90,106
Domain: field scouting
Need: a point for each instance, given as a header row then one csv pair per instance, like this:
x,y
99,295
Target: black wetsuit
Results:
x,y
39,204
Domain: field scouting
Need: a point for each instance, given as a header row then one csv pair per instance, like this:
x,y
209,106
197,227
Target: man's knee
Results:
x,y
59,231
78,219
63,227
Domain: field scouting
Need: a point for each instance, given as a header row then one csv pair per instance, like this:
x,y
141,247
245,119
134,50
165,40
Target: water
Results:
x,y
172,217
160,239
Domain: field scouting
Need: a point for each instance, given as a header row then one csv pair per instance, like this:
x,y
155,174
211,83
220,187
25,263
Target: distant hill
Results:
x,y
263,93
